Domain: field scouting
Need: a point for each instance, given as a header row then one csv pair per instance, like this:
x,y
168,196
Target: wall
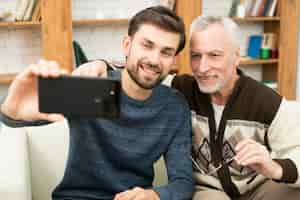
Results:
x,y
104,41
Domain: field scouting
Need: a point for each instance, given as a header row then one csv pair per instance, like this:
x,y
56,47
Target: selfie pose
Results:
x,y
246,137
113,159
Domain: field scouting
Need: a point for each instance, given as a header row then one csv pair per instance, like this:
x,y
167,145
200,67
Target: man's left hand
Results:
x,y
137,193
256,156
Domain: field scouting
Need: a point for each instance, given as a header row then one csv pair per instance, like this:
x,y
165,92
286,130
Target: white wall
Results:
x,y
105,41
20,47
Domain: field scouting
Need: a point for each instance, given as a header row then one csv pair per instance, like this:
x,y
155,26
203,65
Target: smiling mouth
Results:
x,y
207,78
152,70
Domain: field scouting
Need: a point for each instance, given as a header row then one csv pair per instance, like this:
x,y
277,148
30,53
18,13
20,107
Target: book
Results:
x,y
248,6
261,8
266,7
21,8
241,9
233,9
254,46
272,8
36,11
256,8
29,10
268,41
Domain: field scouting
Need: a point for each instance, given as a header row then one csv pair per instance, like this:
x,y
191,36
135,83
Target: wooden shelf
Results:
x,y
7,78
23,24
258,61
81,22
99,21
255,19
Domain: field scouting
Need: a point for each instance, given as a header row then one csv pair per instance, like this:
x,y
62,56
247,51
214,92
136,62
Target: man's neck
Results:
x,y
221,97
133,90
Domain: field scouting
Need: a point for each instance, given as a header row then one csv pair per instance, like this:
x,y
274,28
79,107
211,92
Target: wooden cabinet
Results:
x,y
282,70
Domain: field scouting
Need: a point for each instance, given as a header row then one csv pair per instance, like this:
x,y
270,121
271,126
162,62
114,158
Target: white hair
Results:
x,y
201,23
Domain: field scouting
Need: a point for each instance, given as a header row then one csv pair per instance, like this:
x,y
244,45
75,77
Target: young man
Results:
x,y
246,137
113,159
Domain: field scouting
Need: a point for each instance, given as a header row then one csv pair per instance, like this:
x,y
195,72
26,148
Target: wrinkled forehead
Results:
x,y
213,37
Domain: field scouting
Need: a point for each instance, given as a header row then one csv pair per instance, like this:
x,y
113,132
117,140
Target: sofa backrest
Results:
x,y
15,181
48,150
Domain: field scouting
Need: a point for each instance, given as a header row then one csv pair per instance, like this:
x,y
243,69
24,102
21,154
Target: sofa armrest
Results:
x,y
14,164
161,177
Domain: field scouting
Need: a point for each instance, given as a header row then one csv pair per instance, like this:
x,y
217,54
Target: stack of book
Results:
x,y
28,10
262,46
253,8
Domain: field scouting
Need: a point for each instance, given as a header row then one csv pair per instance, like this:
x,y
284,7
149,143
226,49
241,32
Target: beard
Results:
x,y
144,82
210,89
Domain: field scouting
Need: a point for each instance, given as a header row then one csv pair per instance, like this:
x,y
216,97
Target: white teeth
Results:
x,y
148,69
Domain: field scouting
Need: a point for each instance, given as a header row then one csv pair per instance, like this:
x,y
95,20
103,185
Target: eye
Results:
x,y
167,53
147,45
195,56
214,55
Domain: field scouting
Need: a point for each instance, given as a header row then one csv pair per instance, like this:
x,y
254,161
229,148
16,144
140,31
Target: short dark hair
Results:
x,y
161,17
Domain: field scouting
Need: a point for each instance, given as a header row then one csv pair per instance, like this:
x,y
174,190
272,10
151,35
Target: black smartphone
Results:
x,y
80,97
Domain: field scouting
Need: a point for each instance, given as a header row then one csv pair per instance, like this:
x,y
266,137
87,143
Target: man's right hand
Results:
x,y
92,69
21,102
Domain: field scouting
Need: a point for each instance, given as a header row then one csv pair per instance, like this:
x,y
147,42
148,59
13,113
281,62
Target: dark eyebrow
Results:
x,y
166,48
147,41
169,49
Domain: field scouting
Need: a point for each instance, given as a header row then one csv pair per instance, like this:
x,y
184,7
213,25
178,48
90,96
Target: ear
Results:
x,y
237,57
126,45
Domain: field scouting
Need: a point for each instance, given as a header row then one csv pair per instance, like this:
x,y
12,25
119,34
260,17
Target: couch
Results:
x,y
32,161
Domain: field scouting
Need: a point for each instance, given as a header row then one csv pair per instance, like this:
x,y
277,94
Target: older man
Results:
x,y
246,137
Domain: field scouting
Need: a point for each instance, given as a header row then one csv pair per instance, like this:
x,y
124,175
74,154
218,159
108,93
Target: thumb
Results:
x,y
53,117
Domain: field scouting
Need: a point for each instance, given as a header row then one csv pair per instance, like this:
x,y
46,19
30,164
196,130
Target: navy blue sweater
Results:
x,y
110,156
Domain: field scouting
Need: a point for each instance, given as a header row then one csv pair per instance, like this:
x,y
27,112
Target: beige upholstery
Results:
x,y
32,161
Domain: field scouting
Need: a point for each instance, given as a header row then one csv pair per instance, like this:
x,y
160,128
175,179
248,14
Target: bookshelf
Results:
x,y
26,24
57,34
91,22
258,61
255,19
285,25
31,24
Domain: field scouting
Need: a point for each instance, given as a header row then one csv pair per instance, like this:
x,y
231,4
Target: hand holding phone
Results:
x,y
80,97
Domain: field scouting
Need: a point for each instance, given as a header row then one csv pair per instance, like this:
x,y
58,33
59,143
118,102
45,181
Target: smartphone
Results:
x,y
80,97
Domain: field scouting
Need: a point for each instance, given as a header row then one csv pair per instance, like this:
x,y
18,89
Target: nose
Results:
x,y
154,57
203,64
